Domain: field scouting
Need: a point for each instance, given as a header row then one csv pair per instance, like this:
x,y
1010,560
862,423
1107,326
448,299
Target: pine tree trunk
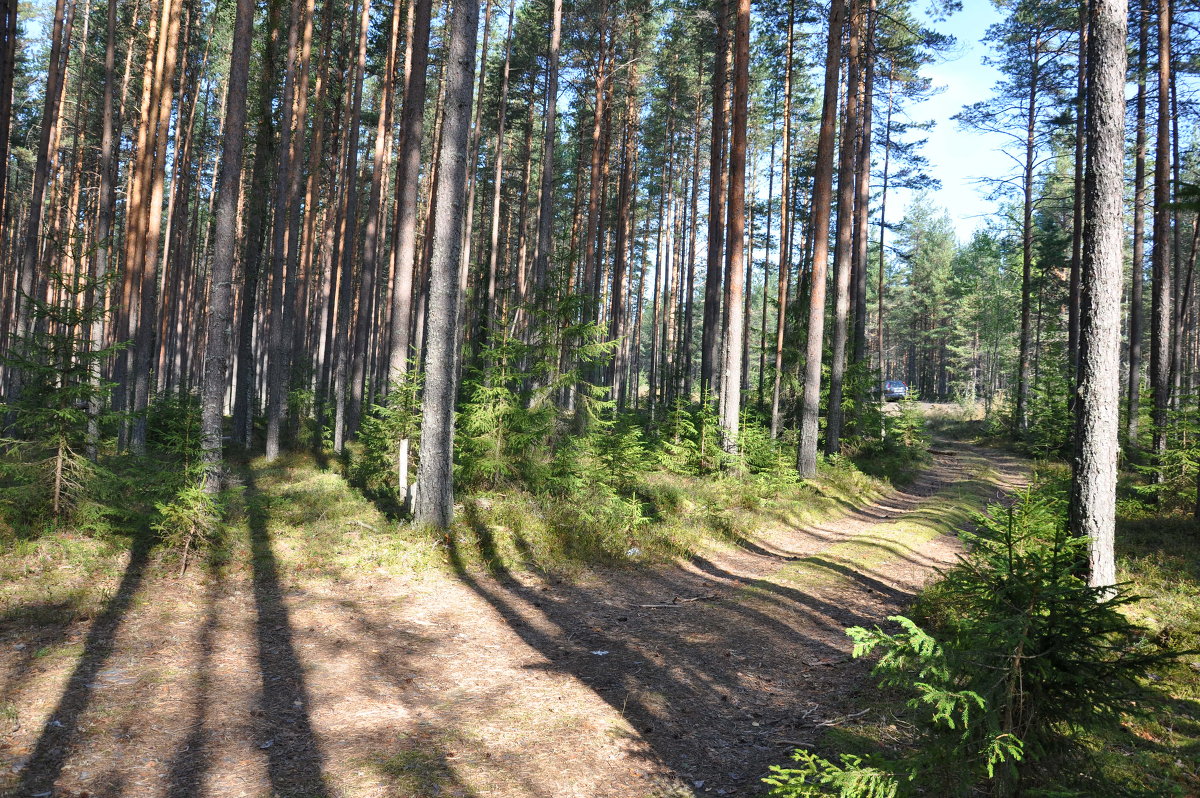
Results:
x,y
1137,271
545,241
342,424
105,201
1021,416
731,379
60,46
710,338
1161,300
862,209
434,500
693,224
1073,294
404,241
370,253
806,460
8,49
1094,476
785,226
254,241
288,155
162,100
220,315
843,252
622,249
597,161
488,318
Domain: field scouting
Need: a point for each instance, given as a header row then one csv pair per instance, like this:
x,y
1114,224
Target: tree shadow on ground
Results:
x,y
295,761
718,675
190,762
60,735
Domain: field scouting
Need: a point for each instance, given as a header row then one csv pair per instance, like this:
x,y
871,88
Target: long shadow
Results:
x,y
58,736
712,687
294,758
191,760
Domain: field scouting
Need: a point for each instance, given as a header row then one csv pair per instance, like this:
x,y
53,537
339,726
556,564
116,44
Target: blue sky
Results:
x,y
957,157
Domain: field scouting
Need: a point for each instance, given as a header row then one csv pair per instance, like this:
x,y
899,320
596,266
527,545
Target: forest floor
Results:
x,y
688,679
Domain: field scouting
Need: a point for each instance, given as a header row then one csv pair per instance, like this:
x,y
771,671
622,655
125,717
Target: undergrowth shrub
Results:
x,y
1050,421
55,413
188,523
385,436
1166,483
1019,653
173,425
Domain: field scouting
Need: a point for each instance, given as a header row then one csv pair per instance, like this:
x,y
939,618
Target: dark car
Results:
x,y
894,390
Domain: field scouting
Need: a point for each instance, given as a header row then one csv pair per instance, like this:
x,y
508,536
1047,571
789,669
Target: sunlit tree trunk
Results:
x,y
806,460
545,240
1161,300
785,226
1094,476
1025,345
862,209
434,500
1074,288
349,237
1137,270
287,162
843,253
60,46
404,241
731,379
220,313
488,317
711,332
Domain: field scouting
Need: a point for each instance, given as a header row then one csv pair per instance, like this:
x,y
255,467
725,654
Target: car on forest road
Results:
x,y
894,390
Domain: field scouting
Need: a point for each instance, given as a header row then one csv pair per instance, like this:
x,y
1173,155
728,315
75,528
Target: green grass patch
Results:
x,y
415,772
950,509
1156,752
667,516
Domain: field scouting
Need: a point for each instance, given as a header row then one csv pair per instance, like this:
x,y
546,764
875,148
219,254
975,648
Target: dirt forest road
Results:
x,y
676,681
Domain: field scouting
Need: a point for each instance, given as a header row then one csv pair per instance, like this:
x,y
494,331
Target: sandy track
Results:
x,y
625,682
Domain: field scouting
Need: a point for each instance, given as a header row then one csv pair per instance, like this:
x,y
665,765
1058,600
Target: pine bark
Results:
x,y
710,337
1074,287
1137,270
488,318
1161,299
60,45
785,226
843,254
543,250
277,369
106,201
8,52
731,379
404,242
349,242
1025,345
220,312
434,500
862,210
806,460
1094,476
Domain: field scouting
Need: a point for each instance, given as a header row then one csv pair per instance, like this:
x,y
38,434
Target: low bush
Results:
x,y
1018,654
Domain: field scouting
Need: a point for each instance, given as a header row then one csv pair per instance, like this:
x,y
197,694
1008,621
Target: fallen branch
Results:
x,y
840,721
678,602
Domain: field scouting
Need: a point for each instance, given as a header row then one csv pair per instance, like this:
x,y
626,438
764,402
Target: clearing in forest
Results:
x,y
635,681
